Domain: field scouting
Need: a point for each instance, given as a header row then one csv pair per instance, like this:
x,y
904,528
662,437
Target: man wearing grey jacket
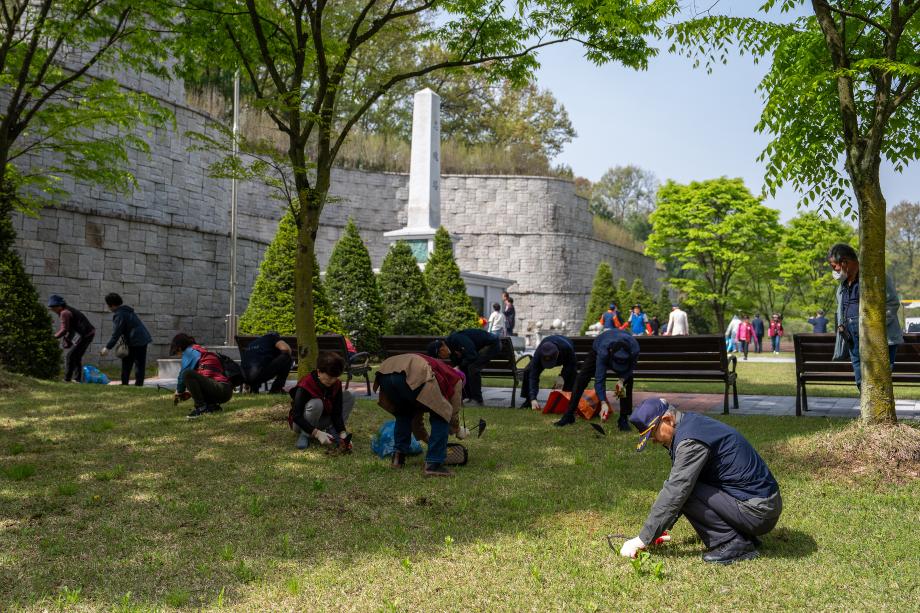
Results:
x,y
845,264
718,482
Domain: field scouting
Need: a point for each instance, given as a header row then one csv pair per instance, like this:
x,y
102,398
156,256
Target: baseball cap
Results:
x,y
613,306
547,353
55,300
646,416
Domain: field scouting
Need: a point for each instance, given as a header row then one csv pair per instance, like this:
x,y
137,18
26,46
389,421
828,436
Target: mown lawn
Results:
x,y
111,500
756,378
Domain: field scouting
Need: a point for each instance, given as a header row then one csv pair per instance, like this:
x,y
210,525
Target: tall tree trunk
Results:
x,y
877,399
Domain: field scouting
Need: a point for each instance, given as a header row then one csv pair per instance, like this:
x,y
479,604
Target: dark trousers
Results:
x,y
473,372
568,381
206,390
853,327
137,357
744,347
397,390
278,369
73,363
758,343
581,384
717,517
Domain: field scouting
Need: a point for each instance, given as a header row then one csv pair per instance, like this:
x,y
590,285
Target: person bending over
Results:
x,y
554,350
614,350
411,385
320,407
470,350
717,481
73,324
266,358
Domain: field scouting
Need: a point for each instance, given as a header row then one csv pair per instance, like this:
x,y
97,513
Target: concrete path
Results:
x,y
701,403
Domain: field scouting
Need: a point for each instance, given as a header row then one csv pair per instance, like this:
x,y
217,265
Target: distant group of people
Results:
x,y
502,318
638,323
129,337
744,334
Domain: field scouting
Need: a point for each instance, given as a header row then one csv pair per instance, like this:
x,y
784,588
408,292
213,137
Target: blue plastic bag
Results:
x,y
91,374
384,444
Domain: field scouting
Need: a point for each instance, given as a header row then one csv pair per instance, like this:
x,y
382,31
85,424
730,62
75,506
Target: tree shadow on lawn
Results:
x,y
221,500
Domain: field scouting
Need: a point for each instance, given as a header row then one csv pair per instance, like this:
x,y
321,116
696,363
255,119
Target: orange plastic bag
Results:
x,y
558,402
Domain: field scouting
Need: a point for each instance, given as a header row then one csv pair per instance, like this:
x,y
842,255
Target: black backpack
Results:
x,y
232,370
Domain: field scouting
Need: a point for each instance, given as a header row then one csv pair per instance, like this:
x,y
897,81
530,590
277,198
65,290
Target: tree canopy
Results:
x,y
714,229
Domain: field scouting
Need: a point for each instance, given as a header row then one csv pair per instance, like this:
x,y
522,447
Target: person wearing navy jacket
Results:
x,y
717,481
469,350
614,350
555,350
126,323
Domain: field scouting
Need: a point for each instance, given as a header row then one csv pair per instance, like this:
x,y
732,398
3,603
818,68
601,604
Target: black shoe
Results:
x,y
735,550
197,412
213,408
399,460
566,420
525,404
437,470
623,425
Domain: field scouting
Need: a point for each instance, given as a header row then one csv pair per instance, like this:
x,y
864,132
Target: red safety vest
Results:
x,y
209,365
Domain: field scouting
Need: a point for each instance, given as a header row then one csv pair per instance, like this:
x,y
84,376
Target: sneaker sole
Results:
x,y
745,556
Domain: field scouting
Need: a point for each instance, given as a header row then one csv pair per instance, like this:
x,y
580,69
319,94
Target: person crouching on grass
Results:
x,y
718,482
202,374
320,407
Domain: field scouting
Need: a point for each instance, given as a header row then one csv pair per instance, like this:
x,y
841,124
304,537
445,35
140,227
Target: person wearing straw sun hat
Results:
x,y
717,481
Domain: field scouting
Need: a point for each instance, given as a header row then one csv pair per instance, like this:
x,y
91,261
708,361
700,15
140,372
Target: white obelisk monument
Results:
x,y
424,208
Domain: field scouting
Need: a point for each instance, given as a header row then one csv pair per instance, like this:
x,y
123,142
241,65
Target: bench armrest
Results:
x,y
732,365
361,359
517,363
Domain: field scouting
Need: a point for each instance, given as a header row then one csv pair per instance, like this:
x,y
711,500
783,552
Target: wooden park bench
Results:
x,y
701,357
501,366
358,365
814,364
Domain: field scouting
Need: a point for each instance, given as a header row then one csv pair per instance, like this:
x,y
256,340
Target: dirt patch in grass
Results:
x,y
891,452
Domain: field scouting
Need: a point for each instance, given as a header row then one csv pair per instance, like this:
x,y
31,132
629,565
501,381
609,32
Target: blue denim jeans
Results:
x,y
853,328
437,440
776,341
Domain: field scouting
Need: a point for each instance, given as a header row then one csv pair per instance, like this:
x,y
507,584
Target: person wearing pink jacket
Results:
x,y
775,332
745,334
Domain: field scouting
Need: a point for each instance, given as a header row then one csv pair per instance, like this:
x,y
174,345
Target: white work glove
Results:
x,y
605,411
104,351
632,547
462,433
322,437
535,405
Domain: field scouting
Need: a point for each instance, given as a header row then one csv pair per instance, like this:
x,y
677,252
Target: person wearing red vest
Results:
x,y
319,405
201,376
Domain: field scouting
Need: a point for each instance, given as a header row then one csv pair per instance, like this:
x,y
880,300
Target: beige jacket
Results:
x,y
419,374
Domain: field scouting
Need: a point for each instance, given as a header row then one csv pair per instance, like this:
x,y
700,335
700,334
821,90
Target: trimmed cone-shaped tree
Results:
x,y
452,305
26,343
602,295
638,293
406,300
664,305
271,304
352,289
625,296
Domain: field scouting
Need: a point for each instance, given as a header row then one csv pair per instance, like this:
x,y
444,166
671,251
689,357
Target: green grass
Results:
x,y
224,513
755,378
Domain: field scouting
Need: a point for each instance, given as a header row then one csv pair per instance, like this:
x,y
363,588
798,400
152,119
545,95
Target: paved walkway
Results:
x,y
700,403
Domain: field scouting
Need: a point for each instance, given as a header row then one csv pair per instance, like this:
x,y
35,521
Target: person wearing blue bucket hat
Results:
x,y
614,350
74,324
717,481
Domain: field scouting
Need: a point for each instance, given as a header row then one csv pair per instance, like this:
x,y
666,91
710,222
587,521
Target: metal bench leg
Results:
x,y
798,398
514,393
367,380
804,398
735,393
725,400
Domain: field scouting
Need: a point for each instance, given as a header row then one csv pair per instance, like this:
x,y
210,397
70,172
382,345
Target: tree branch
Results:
x,y
846,100
859,17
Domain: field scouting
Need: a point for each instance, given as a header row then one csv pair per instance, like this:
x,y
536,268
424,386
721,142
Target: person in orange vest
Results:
x,y
611,319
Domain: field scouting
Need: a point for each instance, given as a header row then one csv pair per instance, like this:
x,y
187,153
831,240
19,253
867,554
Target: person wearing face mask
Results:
x,y
718,482
845,265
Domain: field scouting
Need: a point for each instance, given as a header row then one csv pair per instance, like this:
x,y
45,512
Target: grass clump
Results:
x,y
18,472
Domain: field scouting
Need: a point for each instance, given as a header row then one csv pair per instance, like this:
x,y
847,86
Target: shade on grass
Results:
x,y
223,511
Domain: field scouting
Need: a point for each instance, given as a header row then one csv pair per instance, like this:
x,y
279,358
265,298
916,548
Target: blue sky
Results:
x,y
674,120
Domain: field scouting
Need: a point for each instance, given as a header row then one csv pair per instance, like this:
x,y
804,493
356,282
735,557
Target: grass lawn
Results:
x,y
111,500
756,378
